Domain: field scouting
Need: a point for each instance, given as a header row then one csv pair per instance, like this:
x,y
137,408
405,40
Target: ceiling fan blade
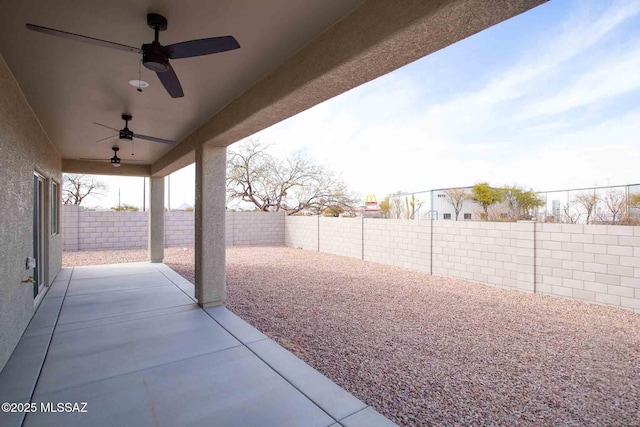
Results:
x,y
153,138
85,39
107,138
202,47
170,81
105,126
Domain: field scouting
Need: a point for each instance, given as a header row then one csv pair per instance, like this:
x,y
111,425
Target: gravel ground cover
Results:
x,y
427,350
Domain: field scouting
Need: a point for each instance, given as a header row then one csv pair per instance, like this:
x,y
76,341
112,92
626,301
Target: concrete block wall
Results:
x,y
341,236
85,230
179,229
255,228
597,263
111,230
69,221
398,242
301,232
496,253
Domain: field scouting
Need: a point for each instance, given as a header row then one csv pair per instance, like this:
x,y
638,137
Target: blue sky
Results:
x,y
549,100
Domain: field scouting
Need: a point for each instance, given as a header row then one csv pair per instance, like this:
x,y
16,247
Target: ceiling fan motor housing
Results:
x,y
154,57
125,134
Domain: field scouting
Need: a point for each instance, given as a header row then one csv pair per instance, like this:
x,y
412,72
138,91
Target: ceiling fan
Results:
x,y
115,160
126,133
155,56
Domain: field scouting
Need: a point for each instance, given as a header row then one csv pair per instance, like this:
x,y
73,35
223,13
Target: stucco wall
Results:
x,y
25,149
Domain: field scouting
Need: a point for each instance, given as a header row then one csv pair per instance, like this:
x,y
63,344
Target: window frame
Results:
x,y
55,208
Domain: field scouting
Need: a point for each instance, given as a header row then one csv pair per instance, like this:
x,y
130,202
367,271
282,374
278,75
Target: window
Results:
x,y
446,216
467,216
55,208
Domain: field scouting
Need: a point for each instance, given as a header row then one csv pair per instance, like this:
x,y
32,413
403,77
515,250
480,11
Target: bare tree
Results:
x,y
456,197
616,202
292,185
571,215
588,202
396,209
76,188
412,206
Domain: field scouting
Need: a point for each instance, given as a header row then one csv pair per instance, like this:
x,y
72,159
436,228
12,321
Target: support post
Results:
x,y
156,219
210,210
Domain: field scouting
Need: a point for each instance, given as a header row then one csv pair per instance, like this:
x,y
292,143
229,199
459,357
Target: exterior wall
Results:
x,y
597,263
25,149
97,230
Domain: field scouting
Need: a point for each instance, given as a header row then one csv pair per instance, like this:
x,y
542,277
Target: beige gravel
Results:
x,y
427,350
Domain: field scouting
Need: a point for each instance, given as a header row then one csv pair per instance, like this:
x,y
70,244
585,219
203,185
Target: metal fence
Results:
x,y
616,204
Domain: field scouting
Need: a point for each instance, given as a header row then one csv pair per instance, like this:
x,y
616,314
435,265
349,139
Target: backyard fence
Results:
x,y
597,263
85,230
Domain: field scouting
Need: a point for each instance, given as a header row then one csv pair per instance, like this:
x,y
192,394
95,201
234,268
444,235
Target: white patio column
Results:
x,y
156,219
211,287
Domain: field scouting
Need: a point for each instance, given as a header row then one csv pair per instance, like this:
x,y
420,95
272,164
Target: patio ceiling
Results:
x,y
293,56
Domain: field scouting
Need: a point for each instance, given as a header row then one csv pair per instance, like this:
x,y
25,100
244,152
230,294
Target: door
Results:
x,y
38,233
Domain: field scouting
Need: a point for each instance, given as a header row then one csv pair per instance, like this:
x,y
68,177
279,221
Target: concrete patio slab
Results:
x,y
117,283
64,274
57,288
226,388
368,417
336,401
95,353
150,356
19,376
96,306
47,313
13,418
125,317
109,270
237,327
